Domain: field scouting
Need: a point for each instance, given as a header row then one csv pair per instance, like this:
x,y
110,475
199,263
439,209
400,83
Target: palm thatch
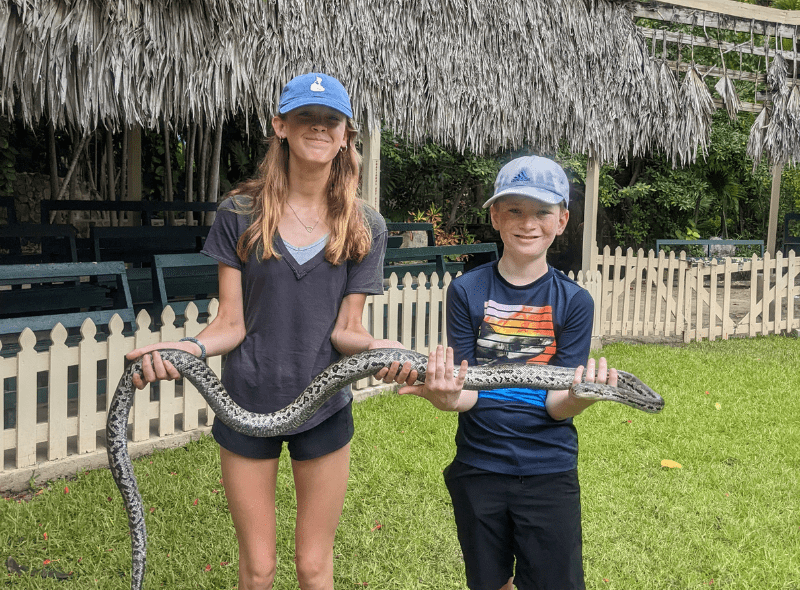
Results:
x,y
694,126
482,75
778,138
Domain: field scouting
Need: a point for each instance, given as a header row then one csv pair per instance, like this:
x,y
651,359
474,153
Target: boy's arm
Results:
x,y
442,387
562,404
573,350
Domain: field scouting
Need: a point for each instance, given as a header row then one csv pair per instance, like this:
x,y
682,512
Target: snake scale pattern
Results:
x,y
630,391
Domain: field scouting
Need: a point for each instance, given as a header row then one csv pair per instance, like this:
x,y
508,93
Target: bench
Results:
x,y
434,258
137,245
42,295
147,209
181,278
399,227
790,242
709,243
57,243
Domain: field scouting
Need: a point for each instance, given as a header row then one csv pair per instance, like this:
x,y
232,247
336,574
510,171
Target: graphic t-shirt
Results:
x,y
490,321
289,312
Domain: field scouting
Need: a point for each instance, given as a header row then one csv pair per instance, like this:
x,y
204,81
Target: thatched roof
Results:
x,y
483,74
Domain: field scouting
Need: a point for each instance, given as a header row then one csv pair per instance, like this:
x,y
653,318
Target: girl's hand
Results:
x,y
394,373
442,387
604,374
154,368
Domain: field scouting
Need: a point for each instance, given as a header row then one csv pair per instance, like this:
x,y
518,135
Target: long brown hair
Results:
x,y
350,236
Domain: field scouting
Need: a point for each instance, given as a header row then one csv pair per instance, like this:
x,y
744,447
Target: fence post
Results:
x,y
141,397
87,388
57,395
26,399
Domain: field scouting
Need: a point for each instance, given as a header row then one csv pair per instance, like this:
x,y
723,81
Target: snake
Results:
x,y
629,391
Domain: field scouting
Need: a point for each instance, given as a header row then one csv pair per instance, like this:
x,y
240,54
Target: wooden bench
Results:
x,y
709,243
138,245
395,227
42,295
181,278
790,242
147,209
57,243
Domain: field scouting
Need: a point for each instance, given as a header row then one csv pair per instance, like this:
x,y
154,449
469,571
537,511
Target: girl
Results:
x,y
298,253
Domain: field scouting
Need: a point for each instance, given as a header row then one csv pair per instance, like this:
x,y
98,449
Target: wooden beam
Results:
x,y
774,200
744,107
729,15
686,40
371,167
591,201
716,72
134,192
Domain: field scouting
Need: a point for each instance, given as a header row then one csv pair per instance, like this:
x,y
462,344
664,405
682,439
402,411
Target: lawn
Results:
x,y
729,517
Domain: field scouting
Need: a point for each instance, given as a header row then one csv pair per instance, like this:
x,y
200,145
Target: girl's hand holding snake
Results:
x,y
154,368
395,373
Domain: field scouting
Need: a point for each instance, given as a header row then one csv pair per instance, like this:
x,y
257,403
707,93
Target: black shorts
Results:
x,y
326,437
533,520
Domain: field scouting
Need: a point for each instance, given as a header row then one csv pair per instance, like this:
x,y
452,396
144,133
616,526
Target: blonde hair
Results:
x,y
350,236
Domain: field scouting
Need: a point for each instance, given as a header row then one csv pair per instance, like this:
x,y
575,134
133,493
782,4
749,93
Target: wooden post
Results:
x,y
591,204
134,164
213,176
371,167
772,229
52,159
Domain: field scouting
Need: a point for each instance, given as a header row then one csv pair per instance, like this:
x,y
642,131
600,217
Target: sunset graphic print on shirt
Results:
x,y
515,334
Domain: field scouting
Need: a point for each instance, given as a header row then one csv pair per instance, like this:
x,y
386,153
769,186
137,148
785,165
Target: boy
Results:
x,y
514,481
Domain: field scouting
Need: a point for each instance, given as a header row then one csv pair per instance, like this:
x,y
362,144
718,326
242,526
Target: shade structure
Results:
x,y
480,75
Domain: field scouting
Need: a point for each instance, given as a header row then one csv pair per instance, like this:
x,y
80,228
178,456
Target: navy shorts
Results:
x,y
326,437
533,520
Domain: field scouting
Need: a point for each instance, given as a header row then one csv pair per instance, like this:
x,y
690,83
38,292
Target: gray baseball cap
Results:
x,y
533,177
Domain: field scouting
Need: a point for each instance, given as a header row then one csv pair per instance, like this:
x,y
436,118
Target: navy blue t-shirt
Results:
x,y
289,312
491,321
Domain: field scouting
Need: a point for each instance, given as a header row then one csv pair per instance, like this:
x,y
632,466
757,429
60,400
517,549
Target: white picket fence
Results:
x,y
649,295
55,428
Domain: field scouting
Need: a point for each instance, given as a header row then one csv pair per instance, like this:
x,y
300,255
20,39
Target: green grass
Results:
x,y
731,514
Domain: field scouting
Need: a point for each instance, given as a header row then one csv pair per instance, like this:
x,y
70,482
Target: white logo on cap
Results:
x,y
317,85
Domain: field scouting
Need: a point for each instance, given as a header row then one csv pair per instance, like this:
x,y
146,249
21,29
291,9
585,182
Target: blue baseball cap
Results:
x,y
314,88
532,177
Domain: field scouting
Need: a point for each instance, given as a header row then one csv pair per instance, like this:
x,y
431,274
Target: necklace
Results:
x,y
310,228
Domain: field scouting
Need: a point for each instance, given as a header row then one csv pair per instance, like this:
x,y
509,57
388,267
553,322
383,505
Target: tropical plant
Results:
x,y
416,177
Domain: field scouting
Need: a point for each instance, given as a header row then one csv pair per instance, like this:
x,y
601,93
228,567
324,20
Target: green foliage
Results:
x,y
786,4
8,160
647,199
415,177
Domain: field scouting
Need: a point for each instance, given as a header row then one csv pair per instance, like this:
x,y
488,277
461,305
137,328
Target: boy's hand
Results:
x,y
442,387
604,374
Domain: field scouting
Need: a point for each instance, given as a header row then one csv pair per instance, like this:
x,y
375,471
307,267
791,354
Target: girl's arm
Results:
x,y
222,335
350,337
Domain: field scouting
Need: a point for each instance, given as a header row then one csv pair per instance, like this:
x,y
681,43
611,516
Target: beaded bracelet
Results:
x,y
200,344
